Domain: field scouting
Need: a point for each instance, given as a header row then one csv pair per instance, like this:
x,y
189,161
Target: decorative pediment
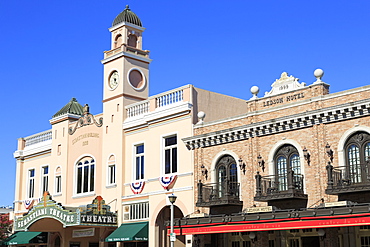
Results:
x,y
86,119
285,84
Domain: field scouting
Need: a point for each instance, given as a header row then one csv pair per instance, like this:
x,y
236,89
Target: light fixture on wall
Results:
x,y
306,155
252,237
261,162
321,232
329,152
204,171
241,165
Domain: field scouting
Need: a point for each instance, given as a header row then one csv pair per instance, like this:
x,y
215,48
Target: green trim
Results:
x,y
21,238
130,232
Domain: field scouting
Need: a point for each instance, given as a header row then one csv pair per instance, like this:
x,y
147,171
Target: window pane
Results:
x,y
140,149
142,167
174,159
354,164
282,173
367,152
167,161
79,180
137,168
169,141
92,177
86,179
295,164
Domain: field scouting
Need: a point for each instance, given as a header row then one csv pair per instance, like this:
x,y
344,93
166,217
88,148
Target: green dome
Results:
x,y
127,16
72,107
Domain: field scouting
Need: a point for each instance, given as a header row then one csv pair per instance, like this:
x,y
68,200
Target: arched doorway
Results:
x,y
162,240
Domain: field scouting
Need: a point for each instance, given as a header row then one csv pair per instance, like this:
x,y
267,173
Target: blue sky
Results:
x,y
51,52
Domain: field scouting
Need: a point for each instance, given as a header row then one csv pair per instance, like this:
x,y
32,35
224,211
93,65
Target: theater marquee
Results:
x,y
97,213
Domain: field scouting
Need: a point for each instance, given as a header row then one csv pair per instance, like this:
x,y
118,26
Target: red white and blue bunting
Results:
x,y
28,203
137,187
167,182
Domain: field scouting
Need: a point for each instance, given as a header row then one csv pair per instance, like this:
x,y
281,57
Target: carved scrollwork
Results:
x,y
86,119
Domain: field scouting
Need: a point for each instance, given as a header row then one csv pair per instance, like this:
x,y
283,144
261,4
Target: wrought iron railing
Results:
x,y
218,192
277,184
347,176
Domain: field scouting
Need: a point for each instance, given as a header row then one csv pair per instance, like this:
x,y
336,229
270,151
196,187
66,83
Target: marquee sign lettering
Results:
x,y
97,213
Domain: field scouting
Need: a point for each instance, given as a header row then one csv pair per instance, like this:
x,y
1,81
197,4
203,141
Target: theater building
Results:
x,y
103,180
292,170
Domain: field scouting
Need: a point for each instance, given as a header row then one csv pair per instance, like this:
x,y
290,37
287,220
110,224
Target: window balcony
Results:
x,y
348,179
279,187
218,194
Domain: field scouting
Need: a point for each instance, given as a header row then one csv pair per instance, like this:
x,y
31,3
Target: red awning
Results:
x,y
276,224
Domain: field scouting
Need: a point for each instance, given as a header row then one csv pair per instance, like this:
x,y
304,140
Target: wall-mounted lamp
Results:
x,y
204,171
252,237
242,165
321,232
329,152
261,162
306,155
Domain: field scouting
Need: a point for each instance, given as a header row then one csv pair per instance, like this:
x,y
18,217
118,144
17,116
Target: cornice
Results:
x,y
33,150
126,54
285,106
302,120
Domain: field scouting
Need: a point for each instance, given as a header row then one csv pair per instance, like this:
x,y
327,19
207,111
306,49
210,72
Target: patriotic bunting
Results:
x,y
137,187
167,181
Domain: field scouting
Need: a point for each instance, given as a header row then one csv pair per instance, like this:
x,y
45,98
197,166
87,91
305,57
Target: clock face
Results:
x,y
113,80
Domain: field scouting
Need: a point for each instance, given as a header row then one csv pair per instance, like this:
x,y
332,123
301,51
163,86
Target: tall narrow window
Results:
x,y
358,157
227,176
45,179
286,160
58,181
111,170
85,175
139,162
31,183
170,154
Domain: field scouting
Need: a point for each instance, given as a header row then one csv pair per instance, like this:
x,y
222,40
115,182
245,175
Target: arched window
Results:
x,y
85,169
58,180
287,160
357,156
227,176
132,40
111,170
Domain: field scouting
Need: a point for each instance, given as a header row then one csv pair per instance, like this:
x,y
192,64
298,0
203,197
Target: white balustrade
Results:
x,y
170,98
40,137
137,109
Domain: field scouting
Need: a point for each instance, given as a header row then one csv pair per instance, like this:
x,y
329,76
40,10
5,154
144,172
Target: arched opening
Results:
x,y
132,40
227,176
118,41
287,160
357,157
162,240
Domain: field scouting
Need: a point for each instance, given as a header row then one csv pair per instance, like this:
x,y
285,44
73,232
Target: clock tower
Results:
x,y
126,81
126,64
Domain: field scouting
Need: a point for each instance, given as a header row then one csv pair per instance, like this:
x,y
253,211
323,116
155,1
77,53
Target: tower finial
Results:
x,y
127,6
